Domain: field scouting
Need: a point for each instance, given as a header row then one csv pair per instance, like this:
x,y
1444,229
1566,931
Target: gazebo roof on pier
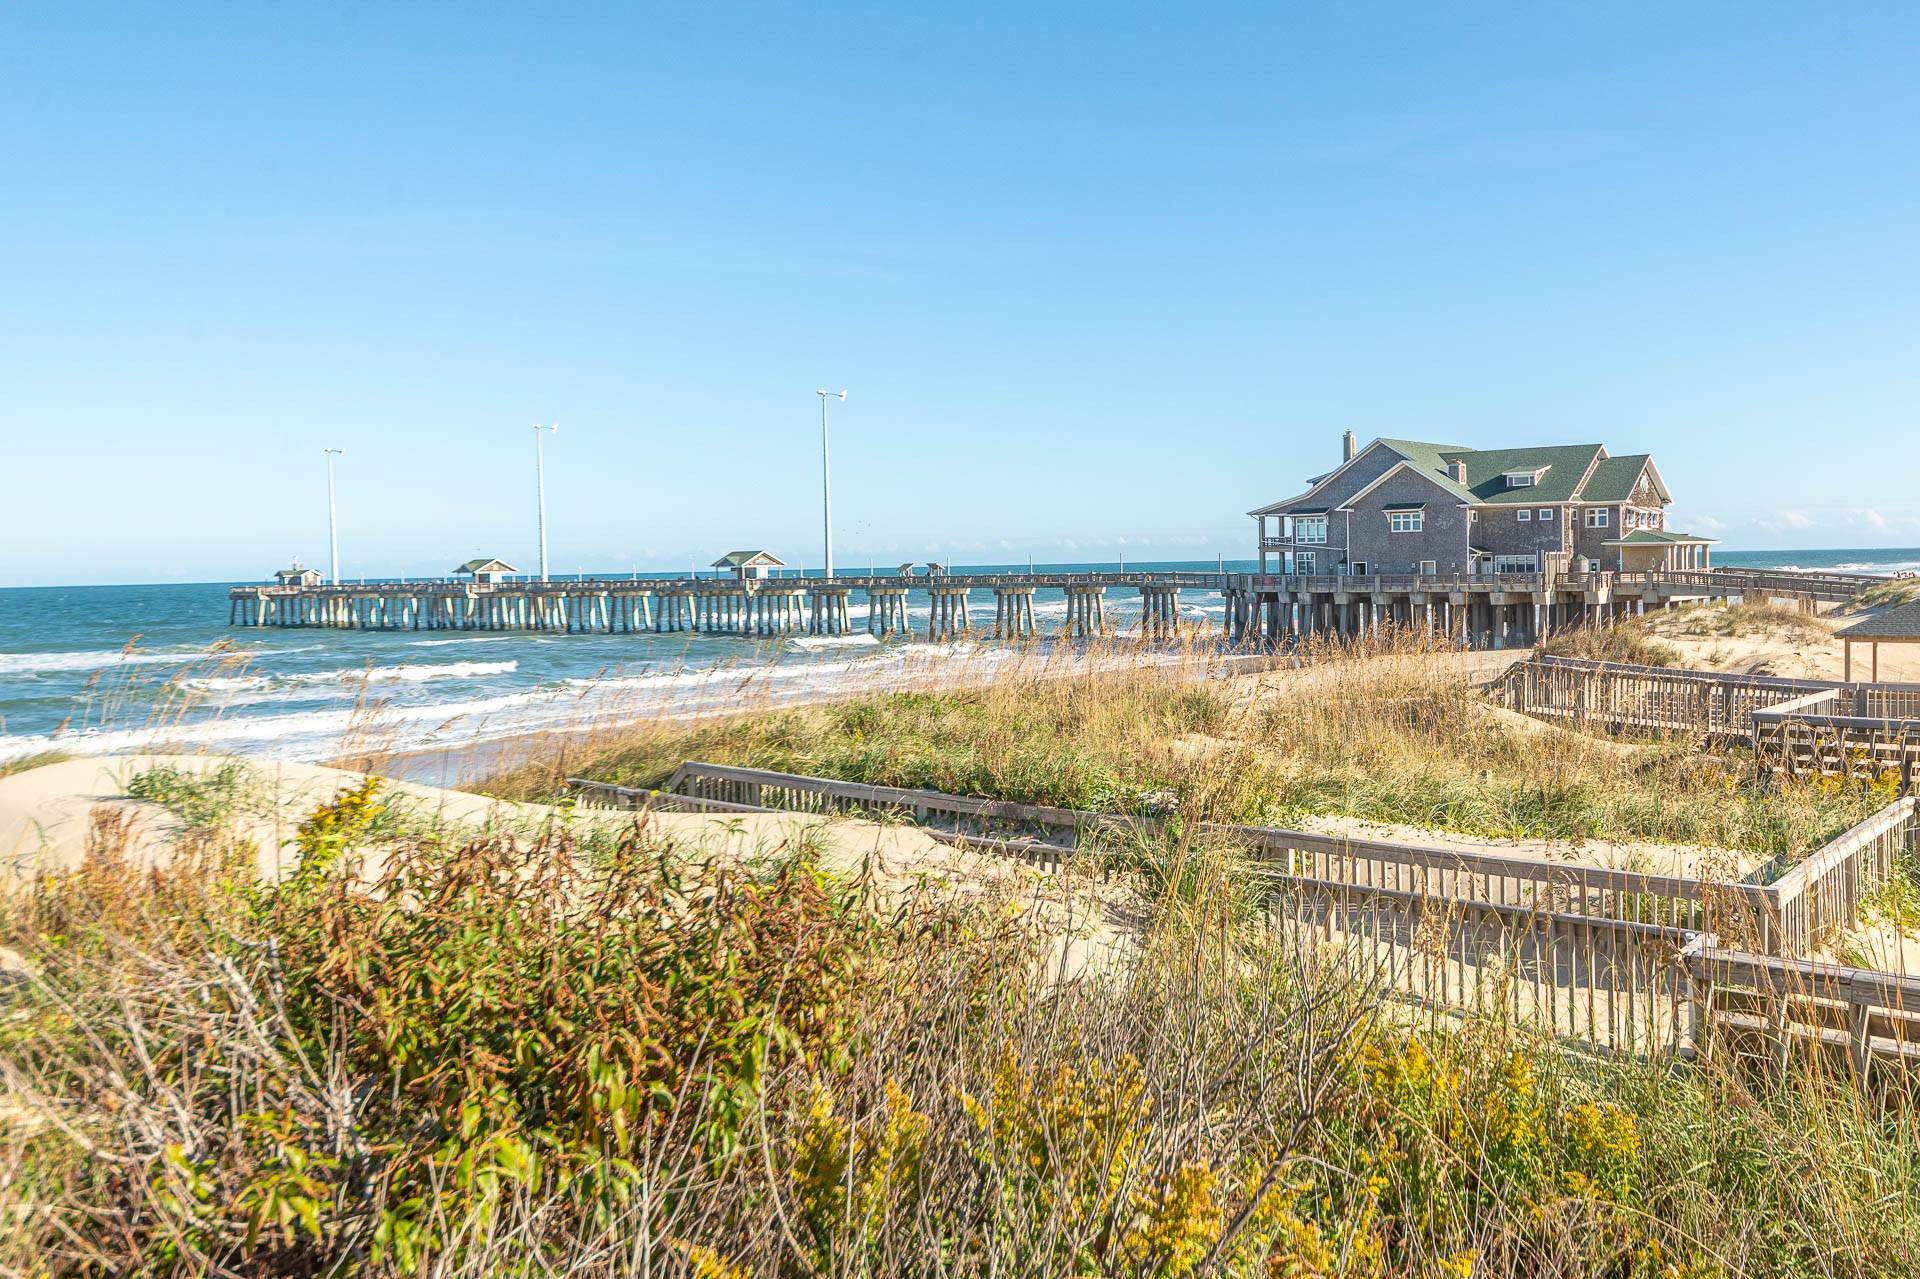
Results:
x,y
486,566
749,559
1892,626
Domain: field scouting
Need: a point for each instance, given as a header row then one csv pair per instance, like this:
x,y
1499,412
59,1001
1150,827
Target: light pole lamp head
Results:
x,y
838,395
555,427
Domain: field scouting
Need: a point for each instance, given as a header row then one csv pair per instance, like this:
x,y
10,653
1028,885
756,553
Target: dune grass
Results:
x,y
1630,640
1887,594
1391,735
501,1058
27,763
1775,621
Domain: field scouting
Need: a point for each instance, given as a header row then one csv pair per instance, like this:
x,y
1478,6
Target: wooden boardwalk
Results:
x,y
1489,611
1617,960
1795,726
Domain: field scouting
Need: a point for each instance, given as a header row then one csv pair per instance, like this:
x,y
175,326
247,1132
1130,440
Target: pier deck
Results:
x,y
1493,611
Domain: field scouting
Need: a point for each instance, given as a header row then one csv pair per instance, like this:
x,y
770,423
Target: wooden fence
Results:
x,y
1613,985
1862,734
1854,1015
1800,727
1797,914
1618,960
1617,697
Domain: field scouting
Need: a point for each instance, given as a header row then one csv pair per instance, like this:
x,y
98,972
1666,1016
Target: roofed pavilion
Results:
x,y
749,565
1892,626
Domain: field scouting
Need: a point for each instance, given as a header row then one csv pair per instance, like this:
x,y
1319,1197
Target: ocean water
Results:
x,y
106,669
101,669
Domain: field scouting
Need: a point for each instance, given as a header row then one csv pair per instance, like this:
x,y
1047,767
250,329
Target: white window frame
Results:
x,y
1546,513
1406,521
1305,526
1357,569
1429,567
1597,517
1520,479
1515,564
1304,561
1526,515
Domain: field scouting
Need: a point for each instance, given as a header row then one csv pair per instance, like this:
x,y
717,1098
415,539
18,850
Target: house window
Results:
x,y
1303,562
1405,521
1596,517
1358,568
1310,528
1526,514
1520,479
1513,564
1429,567
1546,512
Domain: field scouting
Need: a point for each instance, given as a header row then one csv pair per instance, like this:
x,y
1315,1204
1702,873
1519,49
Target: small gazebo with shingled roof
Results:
x,y
1891,626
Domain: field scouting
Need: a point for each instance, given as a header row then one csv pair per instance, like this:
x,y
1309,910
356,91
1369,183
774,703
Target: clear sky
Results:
x,y
1098,273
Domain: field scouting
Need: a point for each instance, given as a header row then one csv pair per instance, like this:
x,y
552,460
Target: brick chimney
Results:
x,y
1459,470
1348,447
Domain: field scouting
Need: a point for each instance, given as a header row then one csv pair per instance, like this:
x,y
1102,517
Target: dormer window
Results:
x,y
1523,479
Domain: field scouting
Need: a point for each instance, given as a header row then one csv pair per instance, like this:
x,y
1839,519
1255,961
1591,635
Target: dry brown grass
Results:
x,y
1387,732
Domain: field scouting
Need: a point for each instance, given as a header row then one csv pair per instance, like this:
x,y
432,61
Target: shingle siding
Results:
x,y
1501,531
1442,539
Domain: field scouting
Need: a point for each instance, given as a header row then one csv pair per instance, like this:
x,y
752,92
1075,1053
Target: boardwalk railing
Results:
x,y
1856,1015
1619,961
1796,914
1619,696
1798,726
1615,985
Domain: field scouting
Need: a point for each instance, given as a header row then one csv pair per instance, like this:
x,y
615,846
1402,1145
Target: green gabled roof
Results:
x,y
1614,478
741,559
1565,465
1431,461
1655,537
1901,623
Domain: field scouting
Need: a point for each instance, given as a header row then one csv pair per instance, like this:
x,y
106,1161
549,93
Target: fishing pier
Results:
x,y
1500,610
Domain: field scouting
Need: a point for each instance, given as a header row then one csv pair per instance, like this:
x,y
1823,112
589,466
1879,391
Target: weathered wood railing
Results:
x,y
1854,1015
1797,726
1796,914
1861,733
1620,960
1617,985
1621,697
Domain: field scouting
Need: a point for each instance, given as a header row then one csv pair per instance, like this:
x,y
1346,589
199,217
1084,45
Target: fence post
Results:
x,y
1859,1026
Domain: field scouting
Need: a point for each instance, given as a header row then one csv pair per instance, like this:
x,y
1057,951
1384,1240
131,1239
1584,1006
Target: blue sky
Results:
x,y
1092,274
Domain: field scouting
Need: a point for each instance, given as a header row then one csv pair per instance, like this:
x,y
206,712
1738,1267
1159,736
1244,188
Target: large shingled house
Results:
x,y
1405,506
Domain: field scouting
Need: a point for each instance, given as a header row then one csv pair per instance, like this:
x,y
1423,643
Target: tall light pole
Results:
x,y
826,477
333,522
540,487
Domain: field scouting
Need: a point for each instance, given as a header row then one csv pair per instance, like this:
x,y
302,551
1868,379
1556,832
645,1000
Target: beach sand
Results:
x,y
1808,651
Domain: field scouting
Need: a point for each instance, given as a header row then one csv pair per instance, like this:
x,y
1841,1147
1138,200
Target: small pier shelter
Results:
x,y
485,570
749,565
298,575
